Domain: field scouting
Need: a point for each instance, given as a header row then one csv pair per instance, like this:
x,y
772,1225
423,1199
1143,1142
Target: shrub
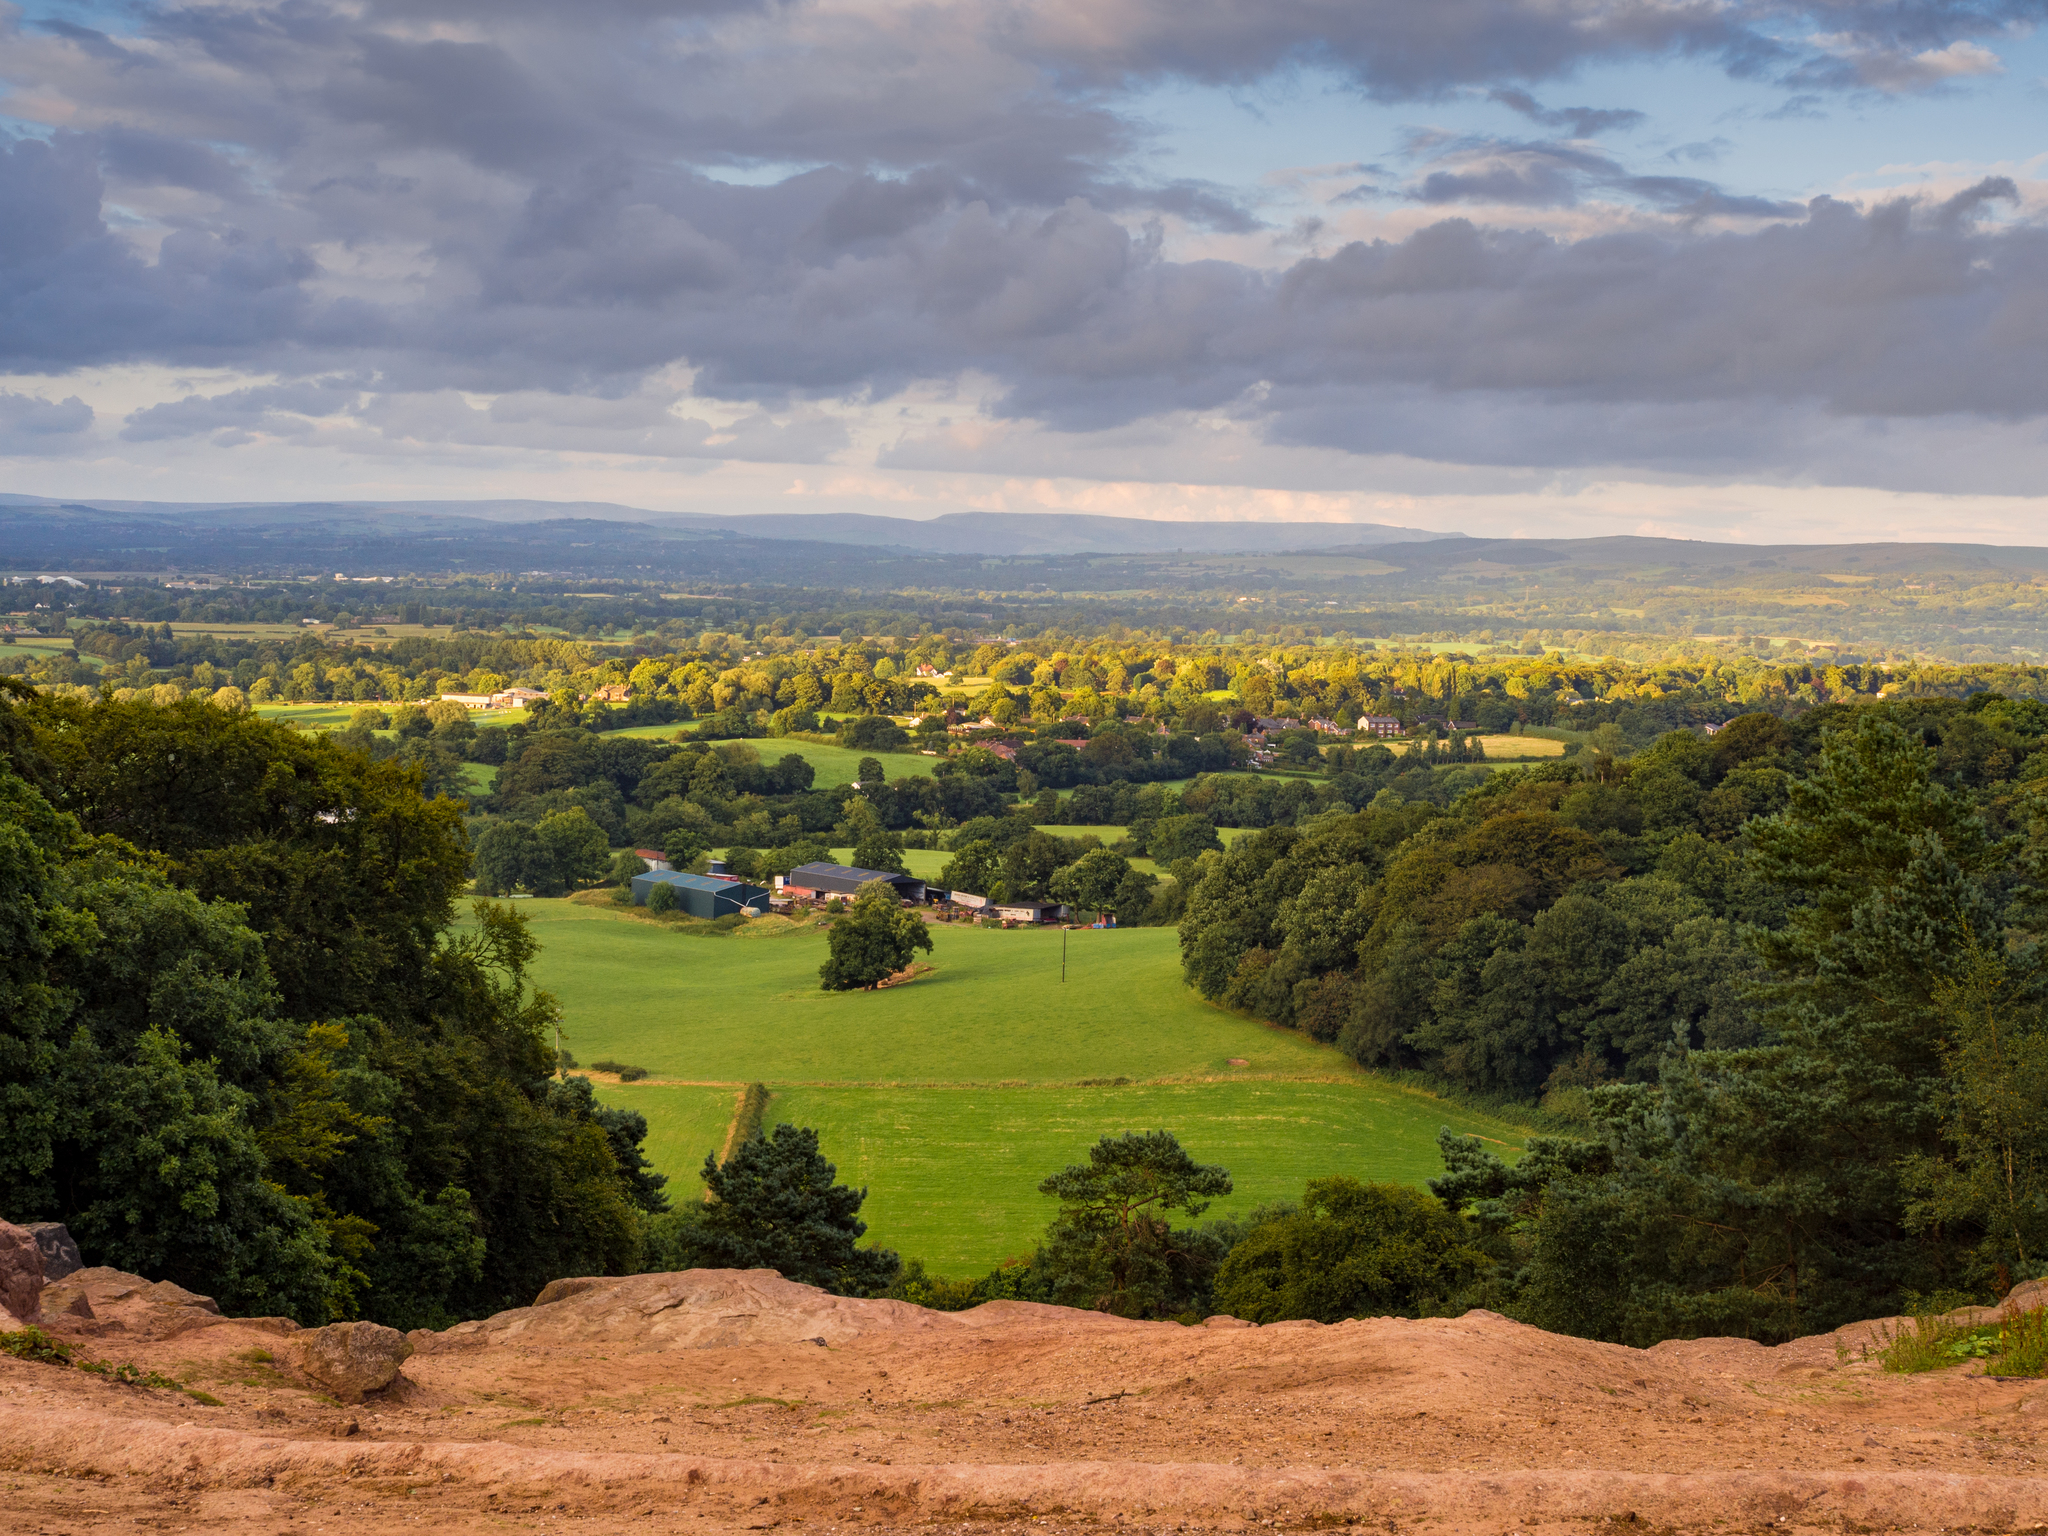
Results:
x,y
624,1073
2023,1343
661,898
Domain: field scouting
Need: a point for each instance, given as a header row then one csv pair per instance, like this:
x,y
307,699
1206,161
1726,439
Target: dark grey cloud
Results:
x,y
1401,50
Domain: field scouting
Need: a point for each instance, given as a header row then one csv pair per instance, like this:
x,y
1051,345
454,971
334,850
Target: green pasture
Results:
x,y
334,717
834,764
44,645
952,1173
951,1097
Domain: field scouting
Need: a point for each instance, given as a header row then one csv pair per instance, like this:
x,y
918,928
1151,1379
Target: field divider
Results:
x,y
747,1111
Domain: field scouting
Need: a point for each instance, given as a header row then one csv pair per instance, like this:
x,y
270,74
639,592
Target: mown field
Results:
x,y
951,1097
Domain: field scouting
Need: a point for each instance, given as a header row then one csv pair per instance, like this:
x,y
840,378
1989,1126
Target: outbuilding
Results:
x,y
819,882
702,895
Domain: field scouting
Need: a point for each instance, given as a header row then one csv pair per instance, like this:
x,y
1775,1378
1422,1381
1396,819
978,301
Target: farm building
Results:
x,y
1009,911
702,895
818,882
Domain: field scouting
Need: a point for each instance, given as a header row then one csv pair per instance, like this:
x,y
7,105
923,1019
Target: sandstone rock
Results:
x,y
21,1272
348,1359
60,1252
705,1309
65,1299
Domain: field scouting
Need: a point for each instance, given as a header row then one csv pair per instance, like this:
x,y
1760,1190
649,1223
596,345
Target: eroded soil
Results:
x,y
715,1401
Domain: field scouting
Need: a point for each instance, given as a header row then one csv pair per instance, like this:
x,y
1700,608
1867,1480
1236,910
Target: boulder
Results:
x,y
347,1359
21,1273
60,1252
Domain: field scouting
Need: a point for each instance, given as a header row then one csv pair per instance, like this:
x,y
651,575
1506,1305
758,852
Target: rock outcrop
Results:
x,y
347,1359
21,1275
60,1251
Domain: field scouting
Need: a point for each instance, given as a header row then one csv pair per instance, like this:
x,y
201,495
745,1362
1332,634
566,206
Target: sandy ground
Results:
x,y
717,1401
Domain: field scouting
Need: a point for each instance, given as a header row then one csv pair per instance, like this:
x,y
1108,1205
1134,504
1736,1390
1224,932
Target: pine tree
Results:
x,y
776,1204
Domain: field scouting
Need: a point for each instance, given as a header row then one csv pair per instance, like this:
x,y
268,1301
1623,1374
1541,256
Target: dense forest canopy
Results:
x,y
252,1043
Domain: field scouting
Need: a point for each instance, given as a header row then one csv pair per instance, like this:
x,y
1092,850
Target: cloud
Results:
x,y
1584,122
1881,64
31,426
1400,50
1560,175
515,228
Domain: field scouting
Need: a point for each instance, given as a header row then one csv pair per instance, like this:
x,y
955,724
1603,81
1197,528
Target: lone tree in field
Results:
x,y
1111,1247
776,1204
872,940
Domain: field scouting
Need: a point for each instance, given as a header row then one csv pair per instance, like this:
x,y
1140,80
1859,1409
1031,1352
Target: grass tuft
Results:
x,y
2015,1345
34,1344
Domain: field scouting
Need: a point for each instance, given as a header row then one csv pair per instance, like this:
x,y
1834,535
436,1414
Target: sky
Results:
x,y
1749,270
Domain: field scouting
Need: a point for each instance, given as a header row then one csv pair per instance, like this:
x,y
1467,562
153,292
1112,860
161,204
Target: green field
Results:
x,y
835,765
334,717
950,1098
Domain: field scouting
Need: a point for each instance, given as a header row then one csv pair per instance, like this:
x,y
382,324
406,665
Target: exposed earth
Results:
x,y
715,1401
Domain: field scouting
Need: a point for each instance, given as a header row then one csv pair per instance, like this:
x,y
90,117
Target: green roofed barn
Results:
x,y
702,895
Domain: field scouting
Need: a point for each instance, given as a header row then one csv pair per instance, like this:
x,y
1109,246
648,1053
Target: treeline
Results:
x,y
1787,978
772,678
250,1043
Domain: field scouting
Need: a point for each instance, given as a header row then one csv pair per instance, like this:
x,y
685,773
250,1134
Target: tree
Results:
x,y
872,940
874,845
1111,1246
869,771
1029,865
264,1060
1352,1250
1174,838
776,1204
573,850
507,857
682,848
1093,882
1764,1191
1992,1175
976,867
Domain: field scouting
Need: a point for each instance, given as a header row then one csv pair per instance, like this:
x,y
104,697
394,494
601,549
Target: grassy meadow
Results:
x,y
834,764
951,1097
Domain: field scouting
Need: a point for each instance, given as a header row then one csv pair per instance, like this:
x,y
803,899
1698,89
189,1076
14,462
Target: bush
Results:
x,y
874,733
661,898
1352,1250
624,1073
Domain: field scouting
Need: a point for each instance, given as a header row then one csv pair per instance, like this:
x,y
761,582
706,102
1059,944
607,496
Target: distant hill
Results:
x,y
954,533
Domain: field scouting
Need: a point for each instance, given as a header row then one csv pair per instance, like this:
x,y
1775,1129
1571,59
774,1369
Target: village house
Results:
x,y
1379,725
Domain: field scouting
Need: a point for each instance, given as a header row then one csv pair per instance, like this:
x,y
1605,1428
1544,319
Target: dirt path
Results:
x,y
715,1401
